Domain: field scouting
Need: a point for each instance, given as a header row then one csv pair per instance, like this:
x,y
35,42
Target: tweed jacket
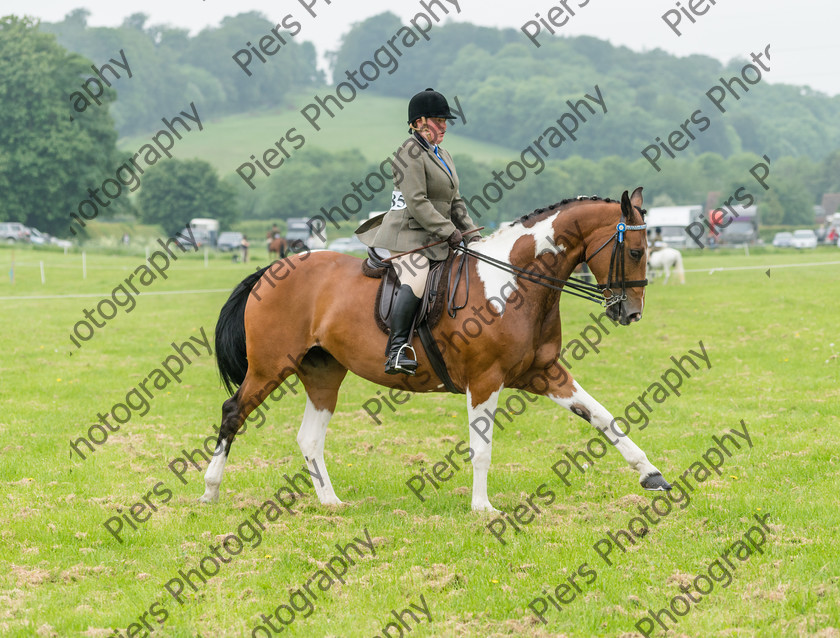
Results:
x,y
429,208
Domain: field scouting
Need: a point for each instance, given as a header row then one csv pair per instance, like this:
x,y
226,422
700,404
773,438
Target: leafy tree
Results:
x,y
176,191
796,202
47,161
770,210
170,69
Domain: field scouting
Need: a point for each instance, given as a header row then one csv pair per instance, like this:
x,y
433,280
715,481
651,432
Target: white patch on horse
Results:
x,y
310,438
213,476
600,418
481,419
500,245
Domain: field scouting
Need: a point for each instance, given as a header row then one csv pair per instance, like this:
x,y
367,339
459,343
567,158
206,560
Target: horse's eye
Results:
x,y
636,254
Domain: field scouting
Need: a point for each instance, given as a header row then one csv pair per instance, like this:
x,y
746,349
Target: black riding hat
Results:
x,y
428,103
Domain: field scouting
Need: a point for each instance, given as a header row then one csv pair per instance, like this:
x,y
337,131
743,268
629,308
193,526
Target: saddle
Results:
x,y
438,295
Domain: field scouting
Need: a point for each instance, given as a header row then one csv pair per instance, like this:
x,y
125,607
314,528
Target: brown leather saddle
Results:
x,y
439,294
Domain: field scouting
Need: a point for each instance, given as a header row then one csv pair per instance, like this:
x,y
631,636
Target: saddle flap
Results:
x,y
434,296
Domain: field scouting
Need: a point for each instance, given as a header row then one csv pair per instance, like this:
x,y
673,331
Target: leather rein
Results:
x,y
602,294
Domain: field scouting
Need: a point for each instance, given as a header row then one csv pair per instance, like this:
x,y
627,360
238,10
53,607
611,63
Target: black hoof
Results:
x,y
655,483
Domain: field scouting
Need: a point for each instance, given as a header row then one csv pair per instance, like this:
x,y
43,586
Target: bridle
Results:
x,y
602,294
616,275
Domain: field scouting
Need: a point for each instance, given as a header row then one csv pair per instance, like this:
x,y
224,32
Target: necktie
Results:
x,y
441,160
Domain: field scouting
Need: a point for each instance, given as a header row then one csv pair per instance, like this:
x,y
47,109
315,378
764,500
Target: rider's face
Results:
x,y
437,129
431,128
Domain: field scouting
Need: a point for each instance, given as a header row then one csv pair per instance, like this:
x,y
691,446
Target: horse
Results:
x,y
262,338
278,245
667,258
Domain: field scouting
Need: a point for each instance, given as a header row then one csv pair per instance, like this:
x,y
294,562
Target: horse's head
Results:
x,y
618,259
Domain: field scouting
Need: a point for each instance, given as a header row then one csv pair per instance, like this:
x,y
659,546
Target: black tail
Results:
x,y
231,356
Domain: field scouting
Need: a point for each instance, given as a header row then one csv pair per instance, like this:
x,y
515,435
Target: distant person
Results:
x,y
426,207
244,245
126,239
658,243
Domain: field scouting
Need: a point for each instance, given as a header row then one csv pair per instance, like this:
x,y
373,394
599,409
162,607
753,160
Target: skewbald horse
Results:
x,y
329,329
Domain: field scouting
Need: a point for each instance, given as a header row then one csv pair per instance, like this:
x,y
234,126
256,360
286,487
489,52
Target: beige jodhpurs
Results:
x,y
413,270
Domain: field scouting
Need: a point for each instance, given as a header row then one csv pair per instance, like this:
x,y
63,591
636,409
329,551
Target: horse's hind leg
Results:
x,y
322,376
234,412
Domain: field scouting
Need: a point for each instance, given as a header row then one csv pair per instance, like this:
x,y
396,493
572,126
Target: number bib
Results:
x,y
397,201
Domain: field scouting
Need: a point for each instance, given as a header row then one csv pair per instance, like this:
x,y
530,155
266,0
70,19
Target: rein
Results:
x,y
602,294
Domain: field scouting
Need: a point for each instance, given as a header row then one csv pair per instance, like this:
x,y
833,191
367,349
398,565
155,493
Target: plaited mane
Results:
x,y
540,213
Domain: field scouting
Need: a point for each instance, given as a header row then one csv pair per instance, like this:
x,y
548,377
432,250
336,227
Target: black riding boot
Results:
x,y
402,314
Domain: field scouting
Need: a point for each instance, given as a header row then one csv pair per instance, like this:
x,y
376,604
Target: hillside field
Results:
x,y
772,343
372,124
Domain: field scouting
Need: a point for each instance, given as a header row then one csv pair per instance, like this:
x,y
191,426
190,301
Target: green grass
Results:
x,y
773,345
229,141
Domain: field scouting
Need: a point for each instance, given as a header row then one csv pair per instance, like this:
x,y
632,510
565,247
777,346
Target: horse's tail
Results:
x,y
231,356
678,266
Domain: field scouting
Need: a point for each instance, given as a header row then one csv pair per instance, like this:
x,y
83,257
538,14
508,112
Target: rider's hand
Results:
x,y
455,238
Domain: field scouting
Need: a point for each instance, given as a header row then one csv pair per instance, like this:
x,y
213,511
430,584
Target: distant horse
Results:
x,y
667,258
312,315
279,246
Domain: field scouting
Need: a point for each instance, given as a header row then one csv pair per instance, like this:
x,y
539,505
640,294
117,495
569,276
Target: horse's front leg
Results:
x,y
481,409
557,384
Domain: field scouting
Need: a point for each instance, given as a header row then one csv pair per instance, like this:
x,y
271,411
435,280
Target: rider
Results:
x,y
426,207
658,243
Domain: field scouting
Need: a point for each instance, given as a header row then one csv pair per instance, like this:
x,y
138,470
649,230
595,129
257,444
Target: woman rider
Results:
x,y
426,207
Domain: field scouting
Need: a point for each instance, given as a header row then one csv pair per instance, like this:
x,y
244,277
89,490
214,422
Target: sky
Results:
x,y
803,36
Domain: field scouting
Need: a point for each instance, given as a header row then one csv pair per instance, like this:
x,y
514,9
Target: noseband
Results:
x,y
616,272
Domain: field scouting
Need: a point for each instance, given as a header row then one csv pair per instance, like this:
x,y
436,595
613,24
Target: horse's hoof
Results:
x,y
485,507
655,483
208,498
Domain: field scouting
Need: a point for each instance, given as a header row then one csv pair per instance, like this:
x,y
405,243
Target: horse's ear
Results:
x,y
626,206
636,197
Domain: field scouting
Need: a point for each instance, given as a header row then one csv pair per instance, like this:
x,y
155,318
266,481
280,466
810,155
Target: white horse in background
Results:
x,y
667,258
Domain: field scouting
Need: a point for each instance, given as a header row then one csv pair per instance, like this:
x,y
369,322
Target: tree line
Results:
x,y
48,149
649,93
797,184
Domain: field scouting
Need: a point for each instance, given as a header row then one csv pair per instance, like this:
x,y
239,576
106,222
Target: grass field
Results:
x,y
773,346
229,141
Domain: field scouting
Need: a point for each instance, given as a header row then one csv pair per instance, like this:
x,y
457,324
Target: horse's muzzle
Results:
x,y
619,313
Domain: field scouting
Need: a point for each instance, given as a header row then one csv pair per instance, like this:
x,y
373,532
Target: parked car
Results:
x,y
804,239
229,241
37,237
783,240
347,245
12,232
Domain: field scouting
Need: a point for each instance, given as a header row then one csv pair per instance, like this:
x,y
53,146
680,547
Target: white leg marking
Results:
x,y
601,419
213,476
310,438
481,441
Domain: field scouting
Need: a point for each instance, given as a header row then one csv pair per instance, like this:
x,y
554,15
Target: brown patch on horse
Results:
x,y
528,220
581,411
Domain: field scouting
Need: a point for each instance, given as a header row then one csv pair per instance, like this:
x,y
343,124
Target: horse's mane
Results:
x,y
540,213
